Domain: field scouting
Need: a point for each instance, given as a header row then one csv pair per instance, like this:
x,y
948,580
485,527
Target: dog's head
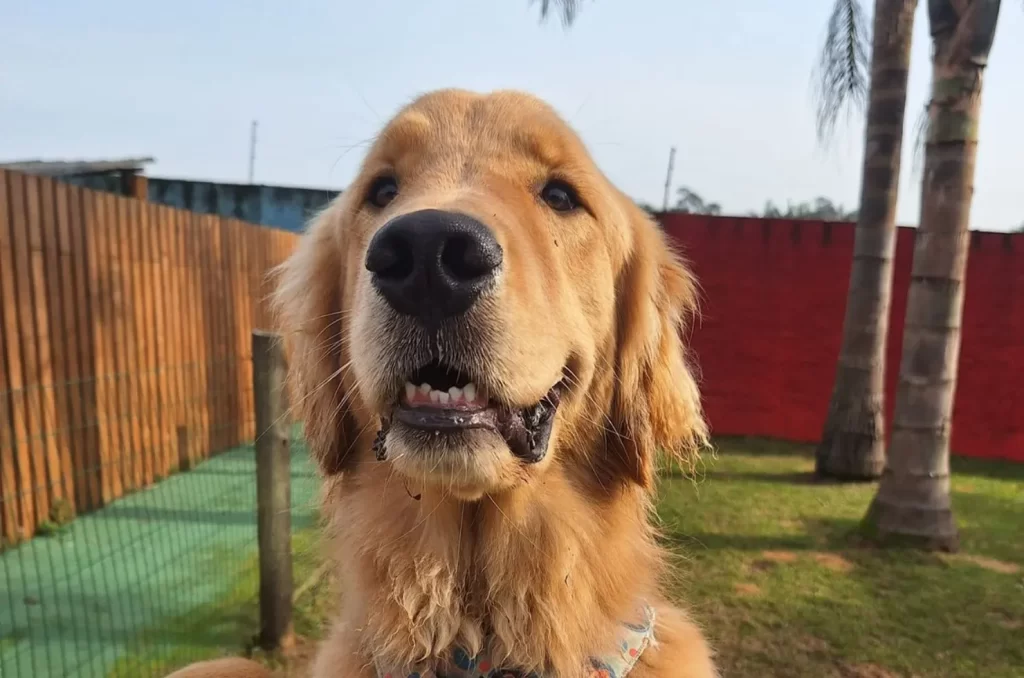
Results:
x,y
481,305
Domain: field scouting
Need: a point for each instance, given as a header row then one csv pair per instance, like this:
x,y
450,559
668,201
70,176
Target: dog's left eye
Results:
x,y
560,196
382,191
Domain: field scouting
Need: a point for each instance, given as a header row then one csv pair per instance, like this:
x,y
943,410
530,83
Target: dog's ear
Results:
x,y
656,403
309,302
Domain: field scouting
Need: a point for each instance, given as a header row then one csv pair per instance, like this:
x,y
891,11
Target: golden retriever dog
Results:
x,y
487,355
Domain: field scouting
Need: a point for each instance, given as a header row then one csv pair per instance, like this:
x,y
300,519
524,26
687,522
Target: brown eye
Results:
x,y
382,191
560,196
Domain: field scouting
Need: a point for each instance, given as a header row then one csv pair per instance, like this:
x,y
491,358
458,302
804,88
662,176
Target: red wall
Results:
x,y
773,297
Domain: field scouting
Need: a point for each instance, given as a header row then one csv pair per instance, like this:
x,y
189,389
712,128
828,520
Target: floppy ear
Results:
x,y
309,302
656,404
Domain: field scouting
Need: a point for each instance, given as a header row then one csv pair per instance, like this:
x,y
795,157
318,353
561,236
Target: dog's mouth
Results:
x,y
443,399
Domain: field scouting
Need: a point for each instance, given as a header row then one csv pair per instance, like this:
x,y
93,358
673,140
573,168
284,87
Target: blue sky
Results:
x,y
726,82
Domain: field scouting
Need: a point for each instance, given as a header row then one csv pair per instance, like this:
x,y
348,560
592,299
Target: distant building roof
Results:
x,y
57,168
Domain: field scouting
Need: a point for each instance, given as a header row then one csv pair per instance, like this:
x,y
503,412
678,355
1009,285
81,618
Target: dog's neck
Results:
x,y
535,575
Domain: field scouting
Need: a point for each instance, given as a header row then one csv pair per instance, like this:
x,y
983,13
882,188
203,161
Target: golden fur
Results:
x,y
434,550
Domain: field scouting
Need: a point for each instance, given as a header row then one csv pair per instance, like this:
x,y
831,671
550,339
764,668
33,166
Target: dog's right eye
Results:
x,y
382,191
560,196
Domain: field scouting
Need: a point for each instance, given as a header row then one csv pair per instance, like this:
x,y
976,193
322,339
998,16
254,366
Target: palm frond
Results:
x,y
920,137
841,78
566,9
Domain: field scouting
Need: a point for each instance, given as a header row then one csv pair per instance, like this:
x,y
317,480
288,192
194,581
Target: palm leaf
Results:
x,y
920,137
566,9
841,77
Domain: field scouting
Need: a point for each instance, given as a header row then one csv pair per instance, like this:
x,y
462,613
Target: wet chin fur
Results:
x,y
465,464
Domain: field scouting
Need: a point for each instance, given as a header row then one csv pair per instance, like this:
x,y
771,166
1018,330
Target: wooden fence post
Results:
x,y
273,490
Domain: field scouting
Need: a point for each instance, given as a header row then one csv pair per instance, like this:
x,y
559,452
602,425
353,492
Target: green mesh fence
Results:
x,y
152,581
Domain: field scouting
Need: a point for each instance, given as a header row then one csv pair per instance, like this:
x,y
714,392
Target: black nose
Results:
x,y
433,264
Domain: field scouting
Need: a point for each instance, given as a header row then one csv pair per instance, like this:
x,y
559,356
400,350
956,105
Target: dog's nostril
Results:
x,y
467,258
433,264
392,259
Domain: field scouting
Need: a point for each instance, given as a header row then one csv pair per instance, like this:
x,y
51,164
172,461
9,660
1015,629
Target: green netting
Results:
x,y
124,590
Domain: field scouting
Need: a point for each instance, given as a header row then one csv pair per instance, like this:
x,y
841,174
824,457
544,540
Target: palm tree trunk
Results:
x,y
853,440
913,500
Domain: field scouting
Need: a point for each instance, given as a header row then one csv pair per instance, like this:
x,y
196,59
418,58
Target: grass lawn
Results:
x,y
769,564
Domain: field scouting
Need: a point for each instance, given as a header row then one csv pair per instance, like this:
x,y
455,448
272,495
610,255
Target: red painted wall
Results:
x,y
773,297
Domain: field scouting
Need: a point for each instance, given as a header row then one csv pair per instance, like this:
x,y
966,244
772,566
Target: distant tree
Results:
x,y
819,208
689,202
1020,229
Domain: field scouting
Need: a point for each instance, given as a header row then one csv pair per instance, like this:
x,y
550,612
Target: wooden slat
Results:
x,y
58,340
125,350
138,224
105,302
149,320
196,257
243,330
82,364
176,324
189,372
221,268
215,306
245,388
214,349
235,303
158,301
15,453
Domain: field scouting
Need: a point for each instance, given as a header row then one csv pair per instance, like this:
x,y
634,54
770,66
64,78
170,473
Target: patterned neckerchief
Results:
x,y
634,639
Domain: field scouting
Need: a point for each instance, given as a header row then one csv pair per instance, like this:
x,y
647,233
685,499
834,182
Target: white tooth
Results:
x,y
456,393
410,391
443,396
424,388
470,392
435,396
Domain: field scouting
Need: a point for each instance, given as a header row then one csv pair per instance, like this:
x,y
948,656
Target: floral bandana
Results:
x,y
634,639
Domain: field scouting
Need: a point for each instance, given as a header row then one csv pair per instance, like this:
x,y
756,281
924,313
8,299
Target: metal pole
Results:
x,y
252,150
273,490
668,178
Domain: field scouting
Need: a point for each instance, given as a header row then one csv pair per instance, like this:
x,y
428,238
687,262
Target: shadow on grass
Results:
x,y
179,516
987,468
741,542
786,478
762,446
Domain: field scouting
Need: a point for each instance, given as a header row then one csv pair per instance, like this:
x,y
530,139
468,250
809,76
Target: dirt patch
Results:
x,y
1006,620
991,564
811,645
833,561
779,556
747,589
866,671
